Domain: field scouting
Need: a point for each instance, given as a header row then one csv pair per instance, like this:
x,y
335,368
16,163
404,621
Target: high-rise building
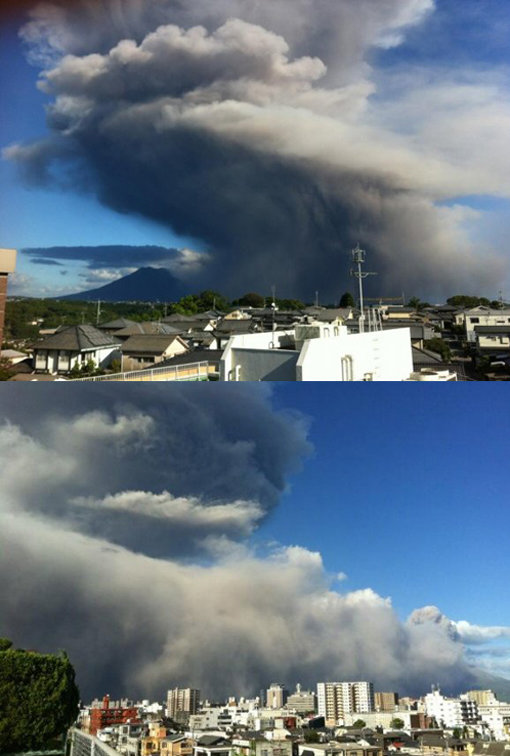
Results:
x,y
385,701
482,697
334,699
7,265
181,702
302,701
276,695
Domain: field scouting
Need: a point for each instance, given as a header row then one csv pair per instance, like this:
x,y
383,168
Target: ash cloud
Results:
x,y
129,545
250,126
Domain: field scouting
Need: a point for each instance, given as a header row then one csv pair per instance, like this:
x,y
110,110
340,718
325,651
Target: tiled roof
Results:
x,y
79,338
149,344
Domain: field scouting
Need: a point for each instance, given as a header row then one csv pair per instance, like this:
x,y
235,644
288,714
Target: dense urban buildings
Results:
x,y
349,719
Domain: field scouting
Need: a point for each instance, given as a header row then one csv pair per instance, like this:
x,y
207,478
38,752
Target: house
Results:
x,y
144,350
212,745
113,326
147,328
493,339
75,346
482,316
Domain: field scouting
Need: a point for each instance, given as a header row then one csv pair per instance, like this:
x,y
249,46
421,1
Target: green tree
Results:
x,y
5,644
466,300
457,733
251,299
38,699
397,724
311,736
359,724
347,300
5,369
439,346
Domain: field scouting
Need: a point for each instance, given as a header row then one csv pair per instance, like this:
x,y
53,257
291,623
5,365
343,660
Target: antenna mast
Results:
x,y
358,258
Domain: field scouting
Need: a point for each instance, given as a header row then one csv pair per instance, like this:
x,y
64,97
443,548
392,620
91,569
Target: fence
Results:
x,y
192,371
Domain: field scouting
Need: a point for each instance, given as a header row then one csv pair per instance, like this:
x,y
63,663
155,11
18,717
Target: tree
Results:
x,y
397,724
251,299
38,698
347,300
465,300
311,736
5,643
5,370
439,346
359,724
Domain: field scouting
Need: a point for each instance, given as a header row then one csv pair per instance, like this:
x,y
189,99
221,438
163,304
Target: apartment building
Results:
x,y
276,696
181,702
335,699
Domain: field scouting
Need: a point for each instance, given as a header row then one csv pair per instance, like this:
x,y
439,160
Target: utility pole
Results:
x,y
273,306
98,311
358,258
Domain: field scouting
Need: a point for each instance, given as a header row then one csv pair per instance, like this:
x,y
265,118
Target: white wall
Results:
x,y
386,355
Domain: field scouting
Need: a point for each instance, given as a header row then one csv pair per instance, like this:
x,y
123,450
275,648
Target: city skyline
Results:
x,y
272,142
304,533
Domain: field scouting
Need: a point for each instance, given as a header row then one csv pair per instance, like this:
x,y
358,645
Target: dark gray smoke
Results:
x,y
125,539
243,124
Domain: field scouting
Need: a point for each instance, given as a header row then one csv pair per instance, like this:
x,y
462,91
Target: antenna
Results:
x,y
358,258
273,305
316,298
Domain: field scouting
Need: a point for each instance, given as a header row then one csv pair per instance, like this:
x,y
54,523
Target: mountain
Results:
x,y
144,285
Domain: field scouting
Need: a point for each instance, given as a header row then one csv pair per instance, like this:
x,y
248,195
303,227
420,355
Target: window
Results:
x,y
347,371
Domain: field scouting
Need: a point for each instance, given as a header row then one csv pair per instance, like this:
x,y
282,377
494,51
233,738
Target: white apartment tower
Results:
x,y
181,702
334,699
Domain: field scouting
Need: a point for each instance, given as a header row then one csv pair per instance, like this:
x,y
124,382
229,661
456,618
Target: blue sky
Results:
x,y
449,67
406,494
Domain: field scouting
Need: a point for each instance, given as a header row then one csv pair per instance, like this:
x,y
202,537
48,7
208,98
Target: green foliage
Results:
x,y
290,304
397,724
347,300
311,736
38,699
439,346
251,299
5,369
457,733
5,644
359,724
465,300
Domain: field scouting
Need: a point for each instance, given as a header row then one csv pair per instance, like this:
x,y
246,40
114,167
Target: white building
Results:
x,y
482,316
446,711
336,699
318,352
497,718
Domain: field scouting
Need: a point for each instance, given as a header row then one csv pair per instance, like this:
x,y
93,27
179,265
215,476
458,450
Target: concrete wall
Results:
x,y
259,363
378,356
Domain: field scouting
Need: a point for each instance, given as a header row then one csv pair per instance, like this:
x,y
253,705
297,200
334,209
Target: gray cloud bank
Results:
x,y
126,523
250,126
